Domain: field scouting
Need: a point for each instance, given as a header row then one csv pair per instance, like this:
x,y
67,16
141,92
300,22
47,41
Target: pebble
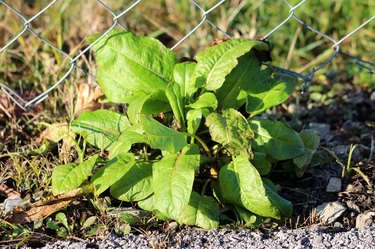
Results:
x,y
230,238
322,128
365,220
329,212
334,185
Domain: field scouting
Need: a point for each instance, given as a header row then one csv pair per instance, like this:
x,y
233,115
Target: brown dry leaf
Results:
x,y
8,191
87,98
57,132
44,208
54,132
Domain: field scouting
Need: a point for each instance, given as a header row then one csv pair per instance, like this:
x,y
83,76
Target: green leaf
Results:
x,y
161,137
242,185
261,163
285,206
89,222
194,118
130,136
243,76
71,176
215,63
135,184
202,211
148,204
276,139
268,90
232,130
252,220
176,101
173,178
62,218
111,172
182,74
147,103
100,128
128,64
311,141
206,100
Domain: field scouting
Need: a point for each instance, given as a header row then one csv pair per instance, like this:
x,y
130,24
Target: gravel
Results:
x,y
228,238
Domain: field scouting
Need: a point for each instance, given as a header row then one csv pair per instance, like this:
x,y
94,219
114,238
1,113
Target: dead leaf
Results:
x,y
8,191
87,98
54,132
44,208
57,132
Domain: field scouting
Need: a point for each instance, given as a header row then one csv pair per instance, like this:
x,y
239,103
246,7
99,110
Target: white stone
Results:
x,y
334,185
364,220
329,212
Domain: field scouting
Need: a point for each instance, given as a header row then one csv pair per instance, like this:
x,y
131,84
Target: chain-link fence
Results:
x,y
117,17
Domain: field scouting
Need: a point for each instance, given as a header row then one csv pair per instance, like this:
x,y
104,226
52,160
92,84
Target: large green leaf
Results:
x,y
276,139
215,63
182,74
232,94
202,211
311,140
100,128
161,137
269,89
135,184
111,172
173,178
71,176
242,185
232,130
128,64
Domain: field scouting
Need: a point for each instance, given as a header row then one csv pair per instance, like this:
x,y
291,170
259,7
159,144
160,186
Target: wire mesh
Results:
x,y
116,22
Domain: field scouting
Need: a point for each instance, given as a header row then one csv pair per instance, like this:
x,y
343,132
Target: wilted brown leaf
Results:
x,y
8,191
87,98
44,208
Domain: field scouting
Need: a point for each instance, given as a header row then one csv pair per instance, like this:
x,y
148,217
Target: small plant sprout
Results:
x,y
348,168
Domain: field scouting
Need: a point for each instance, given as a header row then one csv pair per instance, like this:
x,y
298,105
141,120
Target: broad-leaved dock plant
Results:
x,y
190,143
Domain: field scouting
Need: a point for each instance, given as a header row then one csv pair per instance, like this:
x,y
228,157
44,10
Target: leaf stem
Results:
x,y
201,142
205,186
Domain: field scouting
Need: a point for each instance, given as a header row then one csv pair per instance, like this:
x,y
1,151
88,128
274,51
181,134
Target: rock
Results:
x,y
365,220
329,212
334,185
10,203
372,96
322,128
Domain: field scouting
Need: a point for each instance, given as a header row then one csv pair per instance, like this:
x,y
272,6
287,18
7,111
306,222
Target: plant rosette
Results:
x,y
199,153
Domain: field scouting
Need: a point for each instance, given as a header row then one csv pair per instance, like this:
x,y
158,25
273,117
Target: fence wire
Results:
x,y
205,19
